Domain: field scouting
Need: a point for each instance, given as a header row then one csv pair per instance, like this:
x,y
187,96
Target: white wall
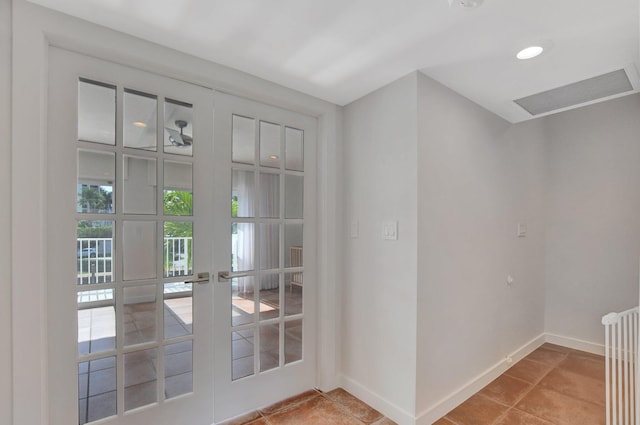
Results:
x,y
379,290
5,211
593,241
478,176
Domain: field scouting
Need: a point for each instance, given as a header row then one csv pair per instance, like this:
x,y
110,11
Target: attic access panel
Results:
x,y
594,88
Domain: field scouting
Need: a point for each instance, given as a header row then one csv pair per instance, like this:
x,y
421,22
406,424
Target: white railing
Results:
x,y
177,256
621,367
95,262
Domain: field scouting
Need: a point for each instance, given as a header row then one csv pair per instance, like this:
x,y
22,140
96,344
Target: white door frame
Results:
x,y
34,29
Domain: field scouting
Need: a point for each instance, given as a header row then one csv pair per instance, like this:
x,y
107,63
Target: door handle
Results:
x,y
227,275
200,278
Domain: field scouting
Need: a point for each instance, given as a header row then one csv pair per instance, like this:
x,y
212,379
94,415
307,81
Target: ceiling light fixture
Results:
x,y
469,4
529,52
139,124
274,157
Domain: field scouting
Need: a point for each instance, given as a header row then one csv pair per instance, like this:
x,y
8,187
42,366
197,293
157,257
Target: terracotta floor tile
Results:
x,y
178,384
249,418
506,390
561,409
575,385
354,406
555,347
315,411
443,421
589,355
478,410
140,395
516,417
584,365
528,371
385,421
547,356
290,402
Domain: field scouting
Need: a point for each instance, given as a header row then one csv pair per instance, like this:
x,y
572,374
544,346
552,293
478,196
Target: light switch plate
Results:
x,y
354,229
522,230
390,231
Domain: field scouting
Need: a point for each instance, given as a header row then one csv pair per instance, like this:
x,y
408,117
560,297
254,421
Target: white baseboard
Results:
x,y
384,406
460,395
576,344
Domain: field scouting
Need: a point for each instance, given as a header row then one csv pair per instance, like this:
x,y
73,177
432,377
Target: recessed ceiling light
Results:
x,y
529,52
274,157
139,124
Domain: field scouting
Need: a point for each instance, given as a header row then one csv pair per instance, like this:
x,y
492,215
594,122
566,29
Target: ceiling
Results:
x,y
341,50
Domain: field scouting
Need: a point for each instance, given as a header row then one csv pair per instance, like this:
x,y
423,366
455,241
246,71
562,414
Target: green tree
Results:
x,y
178,203
95,199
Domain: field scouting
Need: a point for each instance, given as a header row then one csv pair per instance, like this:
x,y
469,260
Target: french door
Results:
x,y
180,259
265,296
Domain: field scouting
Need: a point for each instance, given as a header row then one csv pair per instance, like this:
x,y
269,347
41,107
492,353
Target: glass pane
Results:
x,y
178,128
94,243
269,246
178,248
293,196
269,296
293,293
269,346
140,120
242,354
140,378
178,309
294,149
242,301
242,241
139,182
96,389
178,369
96,112
178,188
243,140
96,321
242,193
269,195
292,341
96,174
139,306
269,145
139,250
293,245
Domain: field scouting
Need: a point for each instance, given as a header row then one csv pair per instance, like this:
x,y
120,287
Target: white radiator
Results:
x,y
621,369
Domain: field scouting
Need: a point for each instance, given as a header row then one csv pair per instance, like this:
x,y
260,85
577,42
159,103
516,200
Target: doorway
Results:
x,y
180,280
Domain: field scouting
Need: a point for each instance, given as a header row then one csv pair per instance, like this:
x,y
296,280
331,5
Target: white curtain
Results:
x,y
243,186
269,233
269,207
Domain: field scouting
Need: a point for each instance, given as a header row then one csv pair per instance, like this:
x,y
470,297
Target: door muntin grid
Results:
x,y
267,227
135,313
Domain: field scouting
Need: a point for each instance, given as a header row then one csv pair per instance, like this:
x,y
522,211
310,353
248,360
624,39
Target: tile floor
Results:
x,y
242,349
97,333
97,391
336,407
551,386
